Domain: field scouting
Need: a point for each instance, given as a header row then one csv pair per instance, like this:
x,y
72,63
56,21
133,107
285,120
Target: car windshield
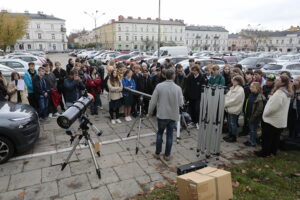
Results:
x,y
285,58
272,67
231,59
249,61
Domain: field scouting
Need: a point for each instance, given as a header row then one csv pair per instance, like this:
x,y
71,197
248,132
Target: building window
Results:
x,y
53,36
135,47
119,28
147,38
180,38
282,41
39,35
38,26
166,39
127,29
63,37
291,41
27,36
299,41
29,46
142,38
54,46
152,38
175,38
120,38
41,46
127,38
135,38
142,30
52,26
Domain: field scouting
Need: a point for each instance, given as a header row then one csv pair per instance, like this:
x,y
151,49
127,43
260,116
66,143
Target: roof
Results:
x,y
38,15
233,35
149,21
206,28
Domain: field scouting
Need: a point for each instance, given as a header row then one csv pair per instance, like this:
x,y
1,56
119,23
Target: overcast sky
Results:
x,y
233,14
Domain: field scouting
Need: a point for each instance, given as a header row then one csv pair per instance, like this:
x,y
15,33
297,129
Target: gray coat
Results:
x,y
167,97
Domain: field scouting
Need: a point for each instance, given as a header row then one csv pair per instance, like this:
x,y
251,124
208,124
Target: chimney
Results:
x,y
171,19
121,18
113,21
129,17
148,18
139,18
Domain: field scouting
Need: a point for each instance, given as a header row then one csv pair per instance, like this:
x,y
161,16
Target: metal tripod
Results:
x,y
141,119
185,126
84,122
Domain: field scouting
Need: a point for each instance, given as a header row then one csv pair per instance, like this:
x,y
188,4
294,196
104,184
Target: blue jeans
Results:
x,y
162,125
97,101
252,133
233,120
43,107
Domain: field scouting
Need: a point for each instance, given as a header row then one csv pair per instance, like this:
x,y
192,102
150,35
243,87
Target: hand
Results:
x,y
46,94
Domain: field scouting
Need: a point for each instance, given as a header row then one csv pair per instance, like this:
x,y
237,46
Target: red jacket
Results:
x,y
94,86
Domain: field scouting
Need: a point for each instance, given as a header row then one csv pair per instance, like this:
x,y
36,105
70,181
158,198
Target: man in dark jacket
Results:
x,y
192,93
51,79
147,89
180,76
42,91
155,64
28,79
60,75
138,79
269,86
189,68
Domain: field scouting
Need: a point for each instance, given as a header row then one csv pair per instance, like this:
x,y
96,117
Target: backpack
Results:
x,y
104,84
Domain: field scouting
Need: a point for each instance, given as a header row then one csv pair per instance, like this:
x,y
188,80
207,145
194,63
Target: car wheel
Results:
x,y
6,149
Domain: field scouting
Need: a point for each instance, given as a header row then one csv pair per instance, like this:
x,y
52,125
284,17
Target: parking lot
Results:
x,y
37,174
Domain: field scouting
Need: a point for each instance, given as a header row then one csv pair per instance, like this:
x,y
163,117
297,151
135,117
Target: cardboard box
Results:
x,y
223,182
195,186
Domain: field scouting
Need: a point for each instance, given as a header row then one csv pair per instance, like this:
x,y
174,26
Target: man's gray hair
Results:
x,y
170,74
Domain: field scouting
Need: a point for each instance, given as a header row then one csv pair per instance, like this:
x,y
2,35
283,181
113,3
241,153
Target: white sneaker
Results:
x,y
113,121
197,126
56,114
126,119
101,108
118,121
129,118
50,115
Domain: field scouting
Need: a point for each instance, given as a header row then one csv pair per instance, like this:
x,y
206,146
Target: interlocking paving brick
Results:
x,y
25,179
12,195
111,160
73,184
69,197
101,193
111,149
59,158
41,191
12,167
82,166
124,189
143,179
129,170
4,183
108,175
37,163
54,173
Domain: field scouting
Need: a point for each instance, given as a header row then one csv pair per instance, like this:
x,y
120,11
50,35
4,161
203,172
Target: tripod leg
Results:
x,y
139,133
178,130
98,132
131,128
185,124
94,158
98,153
70,154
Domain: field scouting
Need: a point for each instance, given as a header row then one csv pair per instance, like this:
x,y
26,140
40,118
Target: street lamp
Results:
x,y
158,39
95,16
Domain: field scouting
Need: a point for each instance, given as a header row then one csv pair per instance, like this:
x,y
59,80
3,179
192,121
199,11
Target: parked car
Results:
x,y
108,57
255,62
287,58
19,129
135,58
203,62
174,59
16,64
122,58
30,58
276,68
6,71
172,51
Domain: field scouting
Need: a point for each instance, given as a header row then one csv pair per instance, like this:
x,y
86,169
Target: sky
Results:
x,y
234,15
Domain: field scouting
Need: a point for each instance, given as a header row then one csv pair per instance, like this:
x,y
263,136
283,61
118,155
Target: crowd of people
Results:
x,y
264,101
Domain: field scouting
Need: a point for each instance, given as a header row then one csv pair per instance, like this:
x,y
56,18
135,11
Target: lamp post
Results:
x,y
95,16
158,38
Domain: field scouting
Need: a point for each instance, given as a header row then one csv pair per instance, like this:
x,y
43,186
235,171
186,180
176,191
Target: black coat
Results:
x,y
193,87
156,80
3,91
138,79
38,90
60,75
69,67
147,85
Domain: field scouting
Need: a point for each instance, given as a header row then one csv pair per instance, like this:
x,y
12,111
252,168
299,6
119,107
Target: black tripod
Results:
x,y
141,119
84,122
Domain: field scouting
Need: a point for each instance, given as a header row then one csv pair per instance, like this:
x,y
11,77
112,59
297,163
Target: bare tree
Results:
x,y
255,35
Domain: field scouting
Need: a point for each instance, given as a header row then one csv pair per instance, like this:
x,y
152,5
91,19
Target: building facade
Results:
x,y
140,34
44,32
211,38
238,43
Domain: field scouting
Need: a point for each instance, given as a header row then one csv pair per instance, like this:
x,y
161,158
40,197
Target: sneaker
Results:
x,y
127,119
167,158
248,144
56,114
156,156
51,115
113,121
197,126
101,108
118,121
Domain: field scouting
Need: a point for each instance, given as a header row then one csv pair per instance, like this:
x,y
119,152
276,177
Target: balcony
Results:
x,y
63,29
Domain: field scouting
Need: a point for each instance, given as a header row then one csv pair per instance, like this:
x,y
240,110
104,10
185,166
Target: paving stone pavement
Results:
x,y
124,173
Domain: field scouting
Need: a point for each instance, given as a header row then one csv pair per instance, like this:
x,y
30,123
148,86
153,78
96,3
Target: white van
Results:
x,y
173,51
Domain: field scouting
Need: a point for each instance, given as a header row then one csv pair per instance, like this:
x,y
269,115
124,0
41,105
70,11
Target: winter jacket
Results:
x,y
94,85
257,109
51,79
41,86
128,84
3,91
138,79
13,93
180,80
276,109
115,92
69,67
155,80
217,80
72,90
147,85
28,78
193,87
60,75
234,100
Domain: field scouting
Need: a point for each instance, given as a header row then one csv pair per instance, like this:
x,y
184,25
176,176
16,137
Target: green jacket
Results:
x,y
217,80
257,109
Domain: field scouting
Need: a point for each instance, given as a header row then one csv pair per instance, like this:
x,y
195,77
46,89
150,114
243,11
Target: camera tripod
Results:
x,y
141,119
84,122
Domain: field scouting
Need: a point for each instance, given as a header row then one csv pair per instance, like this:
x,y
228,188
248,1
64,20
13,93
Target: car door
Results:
x,y
19,67
296,69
